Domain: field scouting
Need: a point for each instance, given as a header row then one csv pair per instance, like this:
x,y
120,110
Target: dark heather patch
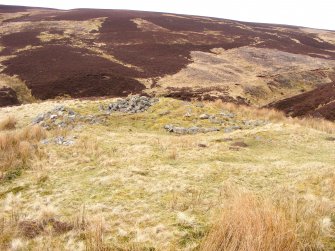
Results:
x,y
8,97
319,102
21,39
57,70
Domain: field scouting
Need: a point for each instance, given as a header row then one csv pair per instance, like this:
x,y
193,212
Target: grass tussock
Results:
x,y
317,124
17,148
8,123
251,112
250,223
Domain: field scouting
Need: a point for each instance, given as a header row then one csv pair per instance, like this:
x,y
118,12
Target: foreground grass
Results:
x,y
126,184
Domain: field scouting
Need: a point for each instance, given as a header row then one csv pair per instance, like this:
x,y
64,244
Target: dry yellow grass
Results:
x,y
247,223
47,37
8,123
277,116
286,221
143,188
237,70
17,148
315,123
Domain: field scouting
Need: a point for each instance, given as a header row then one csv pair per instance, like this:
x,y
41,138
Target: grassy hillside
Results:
x,y
120,181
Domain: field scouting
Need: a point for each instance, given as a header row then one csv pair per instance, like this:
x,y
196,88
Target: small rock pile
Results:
x,y
225,121
132,104
61,117
189,130
60,140
227,115
229,129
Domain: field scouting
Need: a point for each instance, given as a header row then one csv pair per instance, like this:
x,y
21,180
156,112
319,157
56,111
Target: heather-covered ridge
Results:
x,y
95,53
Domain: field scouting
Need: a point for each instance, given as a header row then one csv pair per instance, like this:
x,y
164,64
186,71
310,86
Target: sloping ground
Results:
x,y
76,73
319,102
94,53
257,76
125,183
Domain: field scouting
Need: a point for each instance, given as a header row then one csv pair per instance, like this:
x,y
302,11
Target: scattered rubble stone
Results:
x,y
214,120
227,115
132,104
45,141
231,129
58,117
61,117
187,115
189,130
60,140
164,113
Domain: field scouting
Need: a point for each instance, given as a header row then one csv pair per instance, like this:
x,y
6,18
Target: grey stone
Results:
x,y
45,141
60,140
227,115
132,104
189,130
38,119
187,115
204,116
62,117
211,129
231,129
